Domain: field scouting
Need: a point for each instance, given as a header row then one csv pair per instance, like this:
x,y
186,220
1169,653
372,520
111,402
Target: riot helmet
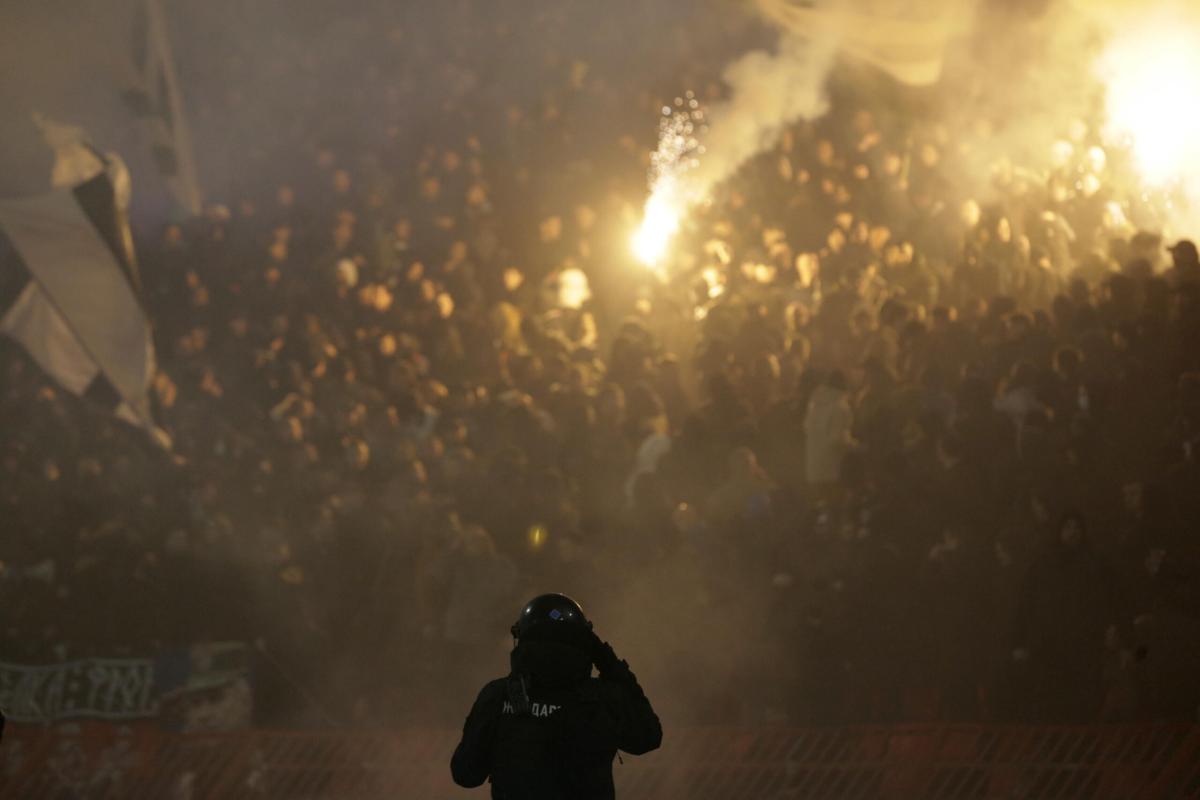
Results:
x,y
551,617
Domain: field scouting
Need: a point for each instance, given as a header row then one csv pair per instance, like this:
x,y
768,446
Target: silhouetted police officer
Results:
x,y
549,731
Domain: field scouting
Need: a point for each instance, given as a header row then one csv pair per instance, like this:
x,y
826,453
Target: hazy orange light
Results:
x,y
1152,74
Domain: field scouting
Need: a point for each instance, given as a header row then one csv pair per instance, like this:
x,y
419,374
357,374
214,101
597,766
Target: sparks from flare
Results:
x,y
678,153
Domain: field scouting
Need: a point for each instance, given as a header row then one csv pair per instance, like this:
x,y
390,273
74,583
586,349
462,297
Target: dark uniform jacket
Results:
x,y
562,746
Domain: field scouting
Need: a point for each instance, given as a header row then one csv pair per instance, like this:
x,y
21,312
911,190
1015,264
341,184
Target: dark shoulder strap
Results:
x,y
517,691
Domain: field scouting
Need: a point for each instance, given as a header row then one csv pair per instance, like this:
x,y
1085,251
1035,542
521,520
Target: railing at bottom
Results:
x,y
985,762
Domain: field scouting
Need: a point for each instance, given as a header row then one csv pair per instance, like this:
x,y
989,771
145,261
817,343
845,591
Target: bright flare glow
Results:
x,y
1152,71
663,215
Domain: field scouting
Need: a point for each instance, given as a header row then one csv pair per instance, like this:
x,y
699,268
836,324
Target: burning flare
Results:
x,y
678,152
1152,73
664,212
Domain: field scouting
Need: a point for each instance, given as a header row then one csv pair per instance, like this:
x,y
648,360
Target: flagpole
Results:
x,y
187,188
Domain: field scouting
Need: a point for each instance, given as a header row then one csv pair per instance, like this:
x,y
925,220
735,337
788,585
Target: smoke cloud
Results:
x,y
1030,73
769,91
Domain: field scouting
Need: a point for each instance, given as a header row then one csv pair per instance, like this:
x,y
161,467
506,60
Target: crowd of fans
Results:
x,y
874,446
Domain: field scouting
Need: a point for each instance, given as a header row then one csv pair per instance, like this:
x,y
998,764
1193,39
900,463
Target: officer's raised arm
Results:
x,y
640,730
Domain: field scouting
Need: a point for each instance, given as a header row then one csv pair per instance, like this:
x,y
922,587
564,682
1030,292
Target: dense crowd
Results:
x,y
873,445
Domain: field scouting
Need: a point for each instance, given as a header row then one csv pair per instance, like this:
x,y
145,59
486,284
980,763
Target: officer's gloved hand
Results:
x,y
604,657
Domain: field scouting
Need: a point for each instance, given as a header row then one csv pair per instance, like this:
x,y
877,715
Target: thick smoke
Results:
x,y
769,91
1027,75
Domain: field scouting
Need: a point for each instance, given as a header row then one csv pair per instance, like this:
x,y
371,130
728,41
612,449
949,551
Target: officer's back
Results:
x,y
549,730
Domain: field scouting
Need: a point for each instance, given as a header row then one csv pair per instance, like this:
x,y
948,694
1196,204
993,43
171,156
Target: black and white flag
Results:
x,y
69,293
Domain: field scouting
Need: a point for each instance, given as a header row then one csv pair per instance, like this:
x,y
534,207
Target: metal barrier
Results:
x,y
984,762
